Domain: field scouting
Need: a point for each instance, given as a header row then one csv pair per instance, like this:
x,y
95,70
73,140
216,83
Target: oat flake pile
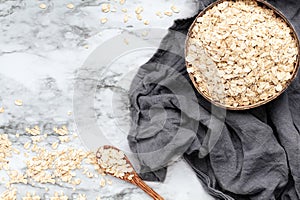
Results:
x,y
257,154
241,54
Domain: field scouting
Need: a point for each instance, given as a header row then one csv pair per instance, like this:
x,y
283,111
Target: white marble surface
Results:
x,y
40,55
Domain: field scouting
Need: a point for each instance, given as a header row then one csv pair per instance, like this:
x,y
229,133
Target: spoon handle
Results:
x,y
141,184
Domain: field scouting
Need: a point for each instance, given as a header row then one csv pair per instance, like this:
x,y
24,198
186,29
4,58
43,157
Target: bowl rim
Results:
x,y
296,68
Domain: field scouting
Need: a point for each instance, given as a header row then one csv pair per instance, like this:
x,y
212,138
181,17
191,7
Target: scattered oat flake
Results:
x,y
76,181
146,22
32,196
109,182
139,17
18,102
126,18
139,10
175,9
54,145
86,46
159,14
64,139
122,2
16,151
70,6
126,41
33,131
102,182
85,170
124,10
168,13
81,197
61,131
1,110
103,20
105,7
145,33
43,6
89,175
58,196
27,145
36,139
35,148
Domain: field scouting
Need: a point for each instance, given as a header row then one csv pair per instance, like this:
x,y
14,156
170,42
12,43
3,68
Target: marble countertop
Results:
x,y
52,56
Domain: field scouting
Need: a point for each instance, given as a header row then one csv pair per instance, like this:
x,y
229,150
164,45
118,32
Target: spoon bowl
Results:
x,y
131,177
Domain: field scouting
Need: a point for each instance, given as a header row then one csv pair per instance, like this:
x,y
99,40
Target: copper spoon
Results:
x,y
133,177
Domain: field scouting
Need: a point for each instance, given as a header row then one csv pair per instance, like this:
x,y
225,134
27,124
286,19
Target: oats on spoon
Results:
x,y
114,162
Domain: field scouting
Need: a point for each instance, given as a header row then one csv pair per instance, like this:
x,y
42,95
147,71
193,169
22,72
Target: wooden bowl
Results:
x,y
296,68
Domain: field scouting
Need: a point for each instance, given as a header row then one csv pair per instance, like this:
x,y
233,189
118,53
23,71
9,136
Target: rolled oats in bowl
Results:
x,y
241,54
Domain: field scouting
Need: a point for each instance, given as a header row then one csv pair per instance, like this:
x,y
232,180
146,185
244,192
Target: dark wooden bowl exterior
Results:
x,y
296,68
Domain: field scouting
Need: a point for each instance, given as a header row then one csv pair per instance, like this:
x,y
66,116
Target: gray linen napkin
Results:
x,y
256,153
